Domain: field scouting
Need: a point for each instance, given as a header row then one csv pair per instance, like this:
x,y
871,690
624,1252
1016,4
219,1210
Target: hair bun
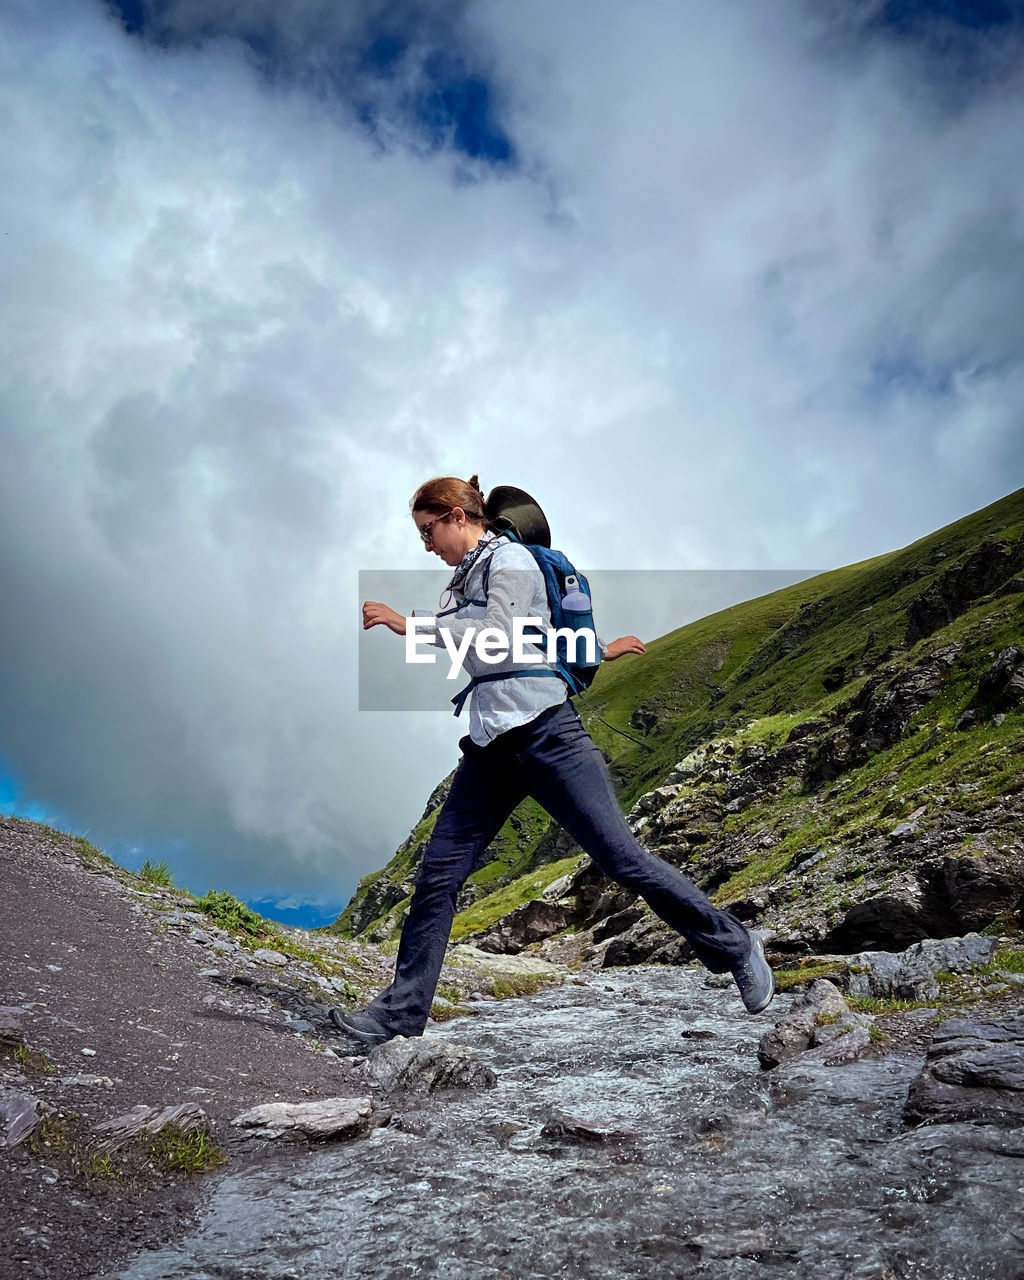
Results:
x,y
474,483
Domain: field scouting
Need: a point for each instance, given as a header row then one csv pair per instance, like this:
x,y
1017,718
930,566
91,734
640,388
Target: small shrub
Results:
x,y
825,1019
157,873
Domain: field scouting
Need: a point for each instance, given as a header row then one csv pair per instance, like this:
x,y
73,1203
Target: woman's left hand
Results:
x,y
376,614
624,644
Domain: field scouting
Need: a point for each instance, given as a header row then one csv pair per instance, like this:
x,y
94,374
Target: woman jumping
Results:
x,y
525,739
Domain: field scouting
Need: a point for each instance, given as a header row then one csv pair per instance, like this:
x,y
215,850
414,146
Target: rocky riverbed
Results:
x,y
624,1126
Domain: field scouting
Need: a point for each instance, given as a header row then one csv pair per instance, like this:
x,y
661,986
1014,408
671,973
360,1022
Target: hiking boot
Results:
x,y
754,977
360,1026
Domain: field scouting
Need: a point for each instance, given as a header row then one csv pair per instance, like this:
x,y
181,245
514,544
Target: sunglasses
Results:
x,y
424,529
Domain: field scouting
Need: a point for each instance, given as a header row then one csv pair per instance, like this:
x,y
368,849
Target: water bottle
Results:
x,y
577,609
575,598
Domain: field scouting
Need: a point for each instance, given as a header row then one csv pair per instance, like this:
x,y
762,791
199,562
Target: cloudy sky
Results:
x,y
727,286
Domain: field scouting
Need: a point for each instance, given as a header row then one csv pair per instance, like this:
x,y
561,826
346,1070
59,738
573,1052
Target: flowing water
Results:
x,y
698,1164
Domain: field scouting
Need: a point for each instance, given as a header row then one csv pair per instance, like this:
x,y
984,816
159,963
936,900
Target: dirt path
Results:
x,y
103,992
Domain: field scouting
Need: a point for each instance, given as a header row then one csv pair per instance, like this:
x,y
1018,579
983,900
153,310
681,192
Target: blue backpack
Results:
x,y
556,568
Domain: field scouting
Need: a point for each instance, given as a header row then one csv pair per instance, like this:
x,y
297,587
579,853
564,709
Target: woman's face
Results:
x,y
447,536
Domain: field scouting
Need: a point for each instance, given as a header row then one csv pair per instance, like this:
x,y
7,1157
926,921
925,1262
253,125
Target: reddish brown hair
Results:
x,y
443,493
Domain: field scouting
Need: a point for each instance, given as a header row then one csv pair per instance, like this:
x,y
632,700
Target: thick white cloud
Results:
x,y
743,304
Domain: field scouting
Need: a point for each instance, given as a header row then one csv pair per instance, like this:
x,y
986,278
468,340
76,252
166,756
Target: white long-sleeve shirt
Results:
x,y
515,589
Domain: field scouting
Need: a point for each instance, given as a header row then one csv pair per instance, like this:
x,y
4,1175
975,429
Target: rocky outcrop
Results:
x,y
980,571
912,974
1001,687
528,923
973,1072
942,895
877,715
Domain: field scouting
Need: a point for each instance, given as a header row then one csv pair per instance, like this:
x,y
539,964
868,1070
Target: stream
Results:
x,y
691,1162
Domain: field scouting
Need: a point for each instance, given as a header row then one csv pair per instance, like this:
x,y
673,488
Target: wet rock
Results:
x,y
330,1118
821,1026
562,1125
413,1063
20,1113
973,1072
108,1135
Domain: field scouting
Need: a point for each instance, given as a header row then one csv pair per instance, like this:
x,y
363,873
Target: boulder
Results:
x,y
562,1125
463,953
973,1072
821,1026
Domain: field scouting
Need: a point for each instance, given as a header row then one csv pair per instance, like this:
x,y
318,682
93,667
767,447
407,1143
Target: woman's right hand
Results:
x,y
376,614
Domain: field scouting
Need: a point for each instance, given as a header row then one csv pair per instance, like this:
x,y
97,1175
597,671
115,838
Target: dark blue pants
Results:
x,y
553,759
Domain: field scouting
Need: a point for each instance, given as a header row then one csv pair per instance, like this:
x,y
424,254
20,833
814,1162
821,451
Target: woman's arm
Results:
x,y
376,614
625,644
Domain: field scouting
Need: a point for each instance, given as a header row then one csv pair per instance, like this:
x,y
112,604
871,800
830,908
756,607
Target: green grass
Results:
x,y
1010,959
225,910
786,979
179,1151
32,1059
156,873
509,986
483,913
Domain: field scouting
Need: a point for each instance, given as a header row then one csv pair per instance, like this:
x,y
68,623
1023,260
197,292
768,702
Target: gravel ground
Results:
x,y
105,993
